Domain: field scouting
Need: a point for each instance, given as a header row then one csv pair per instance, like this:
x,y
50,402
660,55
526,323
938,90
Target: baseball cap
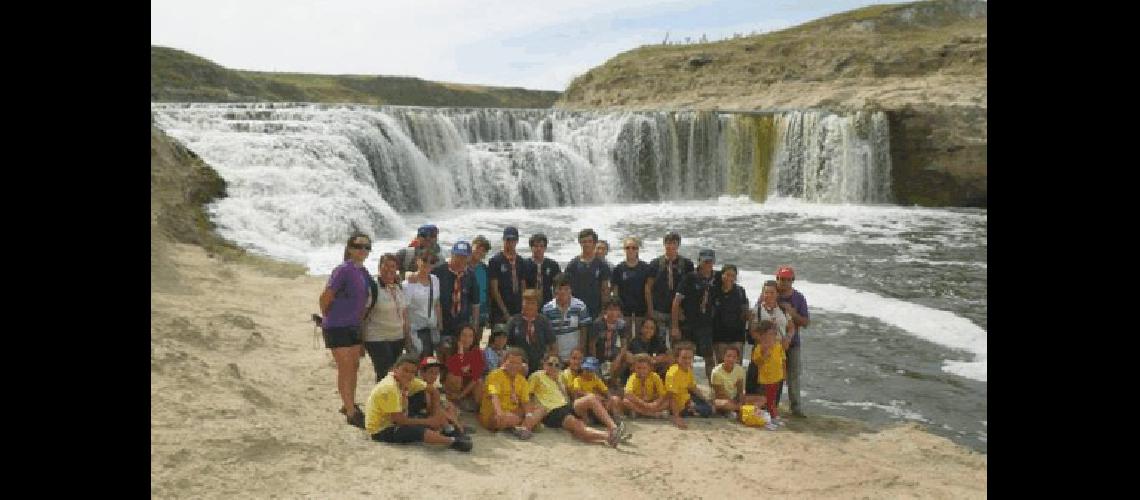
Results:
x,y
590,364
429,362
706,254
424,230
461,248
511,233
785,272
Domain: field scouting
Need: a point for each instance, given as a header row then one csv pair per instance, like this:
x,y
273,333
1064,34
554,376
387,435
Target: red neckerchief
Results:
x,y
456,290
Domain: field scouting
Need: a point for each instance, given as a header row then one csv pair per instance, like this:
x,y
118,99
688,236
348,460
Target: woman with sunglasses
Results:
x,y
628,277
343,305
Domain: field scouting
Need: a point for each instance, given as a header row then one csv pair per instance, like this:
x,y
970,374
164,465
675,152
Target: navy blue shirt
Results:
x,y
468,296
586,282
728,324
500,269
550,269
630,282
659,271
698,302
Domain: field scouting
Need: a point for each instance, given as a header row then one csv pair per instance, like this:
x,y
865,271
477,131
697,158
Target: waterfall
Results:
x,y
305,174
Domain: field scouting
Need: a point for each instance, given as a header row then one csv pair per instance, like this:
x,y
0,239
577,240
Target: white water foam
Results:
x,y
894,409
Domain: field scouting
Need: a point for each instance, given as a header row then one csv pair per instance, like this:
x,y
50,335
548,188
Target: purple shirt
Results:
x,y
797,301
351,286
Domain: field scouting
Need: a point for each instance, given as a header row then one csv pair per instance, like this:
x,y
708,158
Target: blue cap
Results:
x,y
590,364
461,248
511,233
424,230
706,255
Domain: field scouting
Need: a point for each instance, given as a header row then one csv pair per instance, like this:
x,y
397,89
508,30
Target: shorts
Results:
x,y
341,336
401,434
417,403
556,416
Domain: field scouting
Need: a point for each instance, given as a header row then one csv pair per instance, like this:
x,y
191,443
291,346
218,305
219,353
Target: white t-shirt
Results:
x,y
418,306
776,315
384,322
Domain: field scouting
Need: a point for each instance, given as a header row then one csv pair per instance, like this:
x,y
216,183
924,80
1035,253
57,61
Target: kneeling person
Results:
x,y
556,412
386,418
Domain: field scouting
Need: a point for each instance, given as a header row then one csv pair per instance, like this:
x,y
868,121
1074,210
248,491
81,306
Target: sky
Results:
x,y
536,44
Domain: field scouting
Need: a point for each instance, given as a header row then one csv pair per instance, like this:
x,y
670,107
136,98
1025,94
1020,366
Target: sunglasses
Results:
x,y
631,248
358,246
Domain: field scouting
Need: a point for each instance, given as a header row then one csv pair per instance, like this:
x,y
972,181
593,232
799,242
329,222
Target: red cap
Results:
x,y
785,272
430,361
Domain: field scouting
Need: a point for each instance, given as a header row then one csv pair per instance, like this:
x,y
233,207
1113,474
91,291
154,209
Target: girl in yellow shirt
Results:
x,y
771,365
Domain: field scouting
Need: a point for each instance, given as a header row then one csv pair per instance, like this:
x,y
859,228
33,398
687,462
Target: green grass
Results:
x,y
178,76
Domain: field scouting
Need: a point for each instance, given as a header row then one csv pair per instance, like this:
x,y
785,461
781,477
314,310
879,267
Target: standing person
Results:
x,y
556,411
465,369
531,332
694,302
479,249
569,318
602,250
771,368
768,308
459,297
386,329
507,274
422,245
506,401
422,291
540,271
796,308
388,419
589,276
665,273
629,278
731,314
343,304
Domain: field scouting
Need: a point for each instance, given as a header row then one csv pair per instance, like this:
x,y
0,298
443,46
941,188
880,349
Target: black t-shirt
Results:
x,y
653,347
598,339
586,282
468,296
728,324
550,269
499,268
630,282
697,304
659,271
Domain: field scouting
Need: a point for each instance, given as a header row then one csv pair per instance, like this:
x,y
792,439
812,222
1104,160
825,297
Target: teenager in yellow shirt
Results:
x,y
386,416
588,382
644,391
556,412
687,399
506,399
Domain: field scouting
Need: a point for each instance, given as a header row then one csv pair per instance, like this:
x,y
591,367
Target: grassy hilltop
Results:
x,y
177,76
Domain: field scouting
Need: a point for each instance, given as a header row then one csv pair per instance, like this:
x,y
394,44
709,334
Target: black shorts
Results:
x,y
341,336
401,434
556,416
417,404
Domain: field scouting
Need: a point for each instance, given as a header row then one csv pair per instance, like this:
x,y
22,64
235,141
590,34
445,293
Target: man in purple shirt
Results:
x,y
796,308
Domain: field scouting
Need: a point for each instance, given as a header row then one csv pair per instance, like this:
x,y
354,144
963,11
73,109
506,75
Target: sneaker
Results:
x,y
770,426
621,430
357,418
778,421
462,444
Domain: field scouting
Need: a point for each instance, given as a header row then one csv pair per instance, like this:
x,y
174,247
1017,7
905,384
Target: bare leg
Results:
x,y
592,402
580,431
347,365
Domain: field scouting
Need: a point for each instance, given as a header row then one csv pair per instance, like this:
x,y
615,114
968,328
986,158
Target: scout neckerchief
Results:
x,y
513,261
538,280
456,290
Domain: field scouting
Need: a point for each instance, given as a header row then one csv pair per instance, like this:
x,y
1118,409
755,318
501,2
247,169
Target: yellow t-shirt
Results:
x,y
546,390
594,385
648,391
386,399
567,377
678,382
729,381
771,367
511,393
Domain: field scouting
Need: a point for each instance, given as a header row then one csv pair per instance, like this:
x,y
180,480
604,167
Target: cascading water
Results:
x,y
311,172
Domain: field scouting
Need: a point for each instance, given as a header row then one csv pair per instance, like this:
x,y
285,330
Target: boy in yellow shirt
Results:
x,y
644,391
386,416
588,382
506,398
687,399
768,356
556,412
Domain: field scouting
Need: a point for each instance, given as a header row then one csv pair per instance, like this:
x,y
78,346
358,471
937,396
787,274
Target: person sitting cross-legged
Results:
x,y
644,391
506,398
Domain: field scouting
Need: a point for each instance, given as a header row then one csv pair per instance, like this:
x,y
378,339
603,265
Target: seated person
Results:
x,y
464,382
386,418
605,342
425,398
573,368
588,382
728,385
644,392
506,399
556,412
496,347
531,331
649,342
687,399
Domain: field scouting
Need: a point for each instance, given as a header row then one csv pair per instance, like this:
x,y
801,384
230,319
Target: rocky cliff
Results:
x,y
923,63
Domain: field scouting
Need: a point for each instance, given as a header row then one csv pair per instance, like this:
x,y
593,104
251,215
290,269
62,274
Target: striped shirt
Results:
x,y
576,316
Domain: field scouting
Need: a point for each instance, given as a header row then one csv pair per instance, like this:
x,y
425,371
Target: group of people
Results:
x,y
588,344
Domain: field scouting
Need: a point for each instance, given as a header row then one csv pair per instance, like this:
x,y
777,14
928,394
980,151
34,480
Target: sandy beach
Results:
x,y
243,404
